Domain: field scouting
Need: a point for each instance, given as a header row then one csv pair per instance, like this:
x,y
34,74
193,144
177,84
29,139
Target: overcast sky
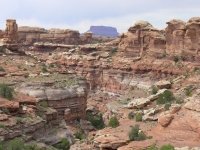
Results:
x,y
81,14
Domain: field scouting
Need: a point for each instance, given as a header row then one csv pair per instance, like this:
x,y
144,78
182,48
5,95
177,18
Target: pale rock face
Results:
x,y
193,104
138,103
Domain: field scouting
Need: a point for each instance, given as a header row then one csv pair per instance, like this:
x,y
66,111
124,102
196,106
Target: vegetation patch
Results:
x,y
165,97
113,122
136,134
96,121
6,91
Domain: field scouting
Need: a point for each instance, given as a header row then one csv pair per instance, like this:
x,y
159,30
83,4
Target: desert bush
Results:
x,y
167,147
6,91
138,117
15,144
188,90
2,69
64,144
136,135
44,69
113,122
153,147
113,51
79,135
179,100
131,115
44,104
167,106
165,97
5,110
176,59
96,121
162,56
154,89
196,68
26,75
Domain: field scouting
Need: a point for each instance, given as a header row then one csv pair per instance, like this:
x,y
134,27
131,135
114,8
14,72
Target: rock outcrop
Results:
x,y
11,35
30,35
142,36
69,101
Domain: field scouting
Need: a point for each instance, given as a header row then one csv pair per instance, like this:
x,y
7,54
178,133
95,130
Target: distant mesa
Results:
x,y
104,31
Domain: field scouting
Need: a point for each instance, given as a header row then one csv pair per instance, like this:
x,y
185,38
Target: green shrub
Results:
x,y
15,144
79,135
154,89
5,110
162,56
138,117
44,104
44,69
64,144
167,147
2,69
1,145
51,65
165,97
26,75
1,49
113,122
167,106
113,51
176,59
131,115
196,68
32,147
188,90
96,121
6,91
135,135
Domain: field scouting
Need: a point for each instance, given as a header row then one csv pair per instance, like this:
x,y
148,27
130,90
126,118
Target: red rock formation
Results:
x,y
11,35
142,36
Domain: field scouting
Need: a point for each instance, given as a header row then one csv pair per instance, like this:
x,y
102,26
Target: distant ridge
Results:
x,y
104,31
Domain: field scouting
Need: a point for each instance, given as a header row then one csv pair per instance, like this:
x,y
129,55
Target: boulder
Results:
x,y
165,118
138,103
163,84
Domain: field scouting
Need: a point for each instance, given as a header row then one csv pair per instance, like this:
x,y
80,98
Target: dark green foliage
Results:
x,y
44,104
44,69
176,59
165,97
6,91
196,68
51,65
188,90
79,135
32,147
1,145
167,147
135,135
96,121
154,89
162,56
138,117
131,115
26,75
5,110
113,51
2,69
15,144
113,122
167,106
1,49
64,144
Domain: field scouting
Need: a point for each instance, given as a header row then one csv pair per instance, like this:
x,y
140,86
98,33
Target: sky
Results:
x,y
81,14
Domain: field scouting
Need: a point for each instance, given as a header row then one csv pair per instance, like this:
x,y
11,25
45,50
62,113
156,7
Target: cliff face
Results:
x,y
104,31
